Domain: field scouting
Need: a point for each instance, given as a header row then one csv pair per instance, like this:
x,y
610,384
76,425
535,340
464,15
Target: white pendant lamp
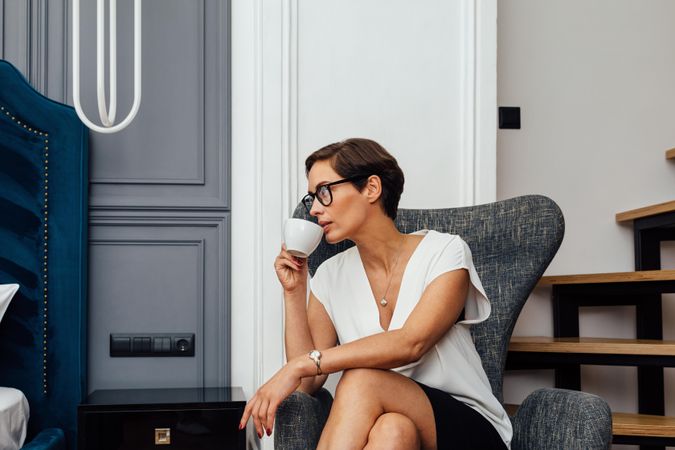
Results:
x,y
106,115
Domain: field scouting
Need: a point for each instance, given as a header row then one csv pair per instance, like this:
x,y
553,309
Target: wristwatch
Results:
x,y
315,356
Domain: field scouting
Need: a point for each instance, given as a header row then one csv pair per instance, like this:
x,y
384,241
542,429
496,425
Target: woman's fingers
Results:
x,y
271,414
247,413
252,411
291,262
256,419
258,409
287,254
262,416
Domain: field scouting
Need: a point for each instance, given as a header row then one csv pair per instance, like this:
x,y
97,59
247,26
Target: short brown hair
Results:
x,y
358,156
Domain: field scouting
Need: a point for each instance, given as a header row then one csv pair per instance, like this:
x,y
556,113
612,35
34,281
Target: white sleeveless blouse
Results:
x,y
452,365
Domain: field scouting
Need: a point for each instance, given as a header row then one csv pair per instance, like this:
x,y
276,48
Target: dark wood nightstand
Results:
x,y
178,419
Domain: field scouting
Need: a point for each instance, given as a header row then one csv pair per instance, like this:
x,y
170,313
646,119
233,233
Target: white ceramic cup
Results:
x,y
301,237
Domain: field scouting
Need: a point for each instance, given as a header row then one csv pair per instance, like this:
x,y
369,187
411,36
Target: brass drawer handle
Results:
x,y
162,436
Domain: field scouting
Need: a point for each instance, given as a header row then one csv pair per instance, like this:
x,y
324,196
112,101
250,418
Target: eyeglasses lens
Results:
x,y
308,201
324,195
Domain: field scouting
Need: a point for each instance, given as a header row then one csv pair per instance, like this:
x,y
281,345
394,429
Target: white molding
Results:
x,y
289,118
264,144
246,266
468,89
267,173
289,111
479,102
258,199
485,173
297,176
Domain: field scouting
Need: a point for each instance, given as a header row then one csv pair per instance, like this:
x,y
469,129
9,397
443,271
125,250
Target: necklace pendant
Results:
x,y
384,302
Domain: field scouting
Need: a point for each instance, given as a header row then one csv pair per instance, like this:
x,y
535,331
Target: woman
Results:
x,y
400,305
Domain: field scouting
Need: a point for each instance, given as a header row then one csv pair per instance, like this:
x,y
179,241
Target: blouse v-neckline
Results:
x,y
373,300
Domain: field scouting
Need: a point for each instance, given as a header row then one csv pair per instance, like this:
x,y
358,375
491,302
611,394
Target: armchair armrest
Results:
x,y
47,439
559,418
300,419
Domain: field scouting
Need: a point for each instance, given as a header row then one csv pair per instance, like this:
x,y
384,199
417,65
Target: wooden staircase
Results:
x,y
566,351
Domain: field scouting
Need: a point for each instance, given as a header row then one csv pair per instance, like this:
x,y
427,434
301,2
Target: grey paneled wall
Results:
x,y
33,38
172,154
159,190
159,273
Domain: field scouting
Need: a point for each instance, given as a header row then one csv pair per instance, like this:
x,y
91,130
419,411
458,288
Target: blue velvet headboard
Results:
x,y
43,248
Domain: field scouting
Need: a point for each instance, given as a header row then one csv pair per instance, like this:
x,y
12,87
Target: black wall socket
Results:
x,y
152,344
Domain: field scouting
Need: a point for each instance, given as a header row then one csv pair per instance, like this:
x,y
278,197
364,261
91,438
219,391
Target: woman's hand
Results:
x,y
262,407
291,270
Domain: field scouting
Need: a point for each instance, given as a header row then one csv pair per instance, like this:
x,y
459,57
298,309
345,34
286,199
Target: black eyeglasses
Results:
x,y
324,194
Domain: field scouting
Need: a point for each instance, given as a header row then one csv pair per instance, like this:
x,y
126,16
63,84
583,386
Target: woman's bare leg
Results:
x,y
393,431
362,396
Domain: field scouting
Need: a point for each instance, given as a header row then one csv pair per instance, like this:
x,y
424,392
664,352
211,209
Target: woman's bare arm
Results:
x,y
300,337
436,312
307,328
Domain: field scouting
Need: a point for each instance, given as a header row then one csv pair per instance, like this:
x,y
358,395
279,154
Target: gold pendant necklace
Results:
x,y
384,301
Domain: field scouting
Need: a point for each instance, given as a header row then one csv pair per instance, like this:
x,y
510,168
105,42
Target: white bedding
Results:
x,y
14,414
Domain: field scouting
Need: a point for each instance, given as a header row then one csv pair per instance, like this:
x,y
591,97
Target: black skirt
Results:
x,y
458,426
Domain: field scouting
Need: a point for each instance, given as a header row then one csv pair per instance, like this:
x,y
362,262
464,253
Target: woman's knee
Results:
x,y
356,382
394,431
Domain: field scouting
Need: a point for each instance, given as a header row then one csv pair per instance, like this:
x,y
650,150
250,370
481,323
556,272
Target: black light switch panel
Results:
x,y
152,344
509,117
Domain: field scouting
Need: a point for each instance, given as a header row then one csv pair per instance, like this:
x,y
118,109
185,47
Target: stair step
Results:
x,y
670,154
647,211
627,424
587,345
617,277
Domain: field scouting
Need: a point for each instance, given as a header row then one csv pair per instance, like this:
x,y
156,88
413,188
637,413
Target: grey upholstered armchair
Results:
x,y
512,242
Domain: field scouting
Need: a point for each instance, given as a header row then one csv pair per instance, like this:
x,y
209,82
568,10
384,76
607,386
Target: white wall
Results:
x,y
594,81
400,73
418,77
